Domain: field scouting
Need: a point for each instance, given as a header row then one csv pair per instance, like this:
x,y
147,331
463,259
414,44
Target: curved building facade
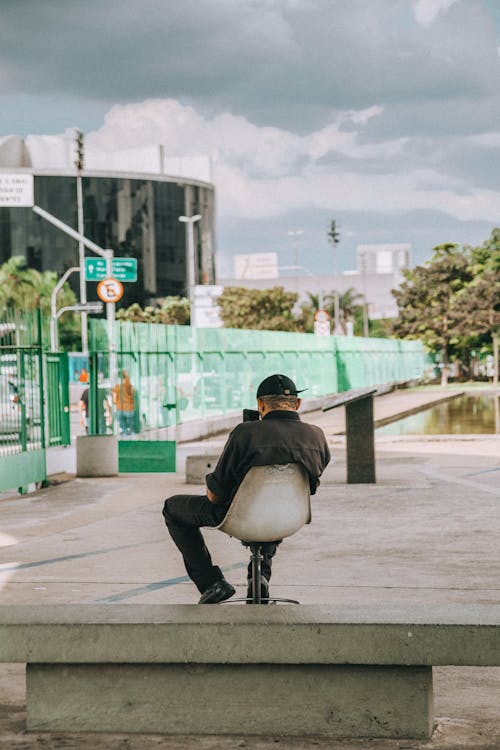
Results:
x,y
136,214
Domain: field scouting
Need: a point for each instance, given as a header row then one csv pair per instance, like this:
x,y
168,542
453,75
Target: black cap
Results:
x,y
277,385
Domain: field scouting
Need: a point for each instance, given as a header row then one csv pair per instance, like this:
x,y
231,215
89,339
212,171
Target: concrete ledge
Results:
x,y
231,699
186,669
458,635
195,429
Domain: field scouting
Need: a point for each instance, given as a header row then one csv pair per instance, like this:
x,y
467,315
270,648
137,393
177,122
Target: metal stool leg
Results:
x,y
256,572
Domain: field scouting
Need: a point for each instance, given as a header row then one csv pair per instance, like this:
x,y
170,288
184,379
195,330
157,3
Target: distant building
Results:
x,y
132,201
378,272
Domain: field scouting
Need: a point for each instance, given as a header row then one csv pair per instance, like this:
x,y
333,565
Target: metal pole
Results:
x,y
54,343
81,260
69,231
191,276
79,162
110,315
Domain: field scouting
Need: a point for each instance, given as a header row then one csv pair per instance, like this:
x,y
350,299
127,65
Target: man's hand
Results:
x,y
213,498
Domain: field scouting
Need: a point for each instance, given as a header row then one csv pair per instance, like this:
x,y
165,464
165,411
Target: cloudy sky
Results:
x,y
381,114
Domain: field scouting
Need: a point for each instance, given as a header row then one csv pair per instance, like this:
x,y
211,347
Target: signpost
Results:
x,y
322,323
123,269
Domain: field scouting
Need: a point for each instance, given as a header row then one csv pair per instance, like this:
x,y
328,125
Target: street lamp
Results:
x,y
295,234
189,221
79,163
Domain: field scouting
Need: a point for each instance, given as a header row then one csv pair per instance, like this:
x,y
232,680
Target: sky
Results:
x,y
381,114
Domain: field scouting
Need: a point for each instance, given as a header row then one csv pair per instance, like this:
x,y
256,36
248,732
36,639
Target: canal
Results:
x,y
466,415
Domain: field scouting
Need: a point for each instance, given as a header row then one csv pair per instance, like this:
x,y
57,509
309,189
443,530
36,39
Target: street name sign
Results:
x,y
124,269
16,190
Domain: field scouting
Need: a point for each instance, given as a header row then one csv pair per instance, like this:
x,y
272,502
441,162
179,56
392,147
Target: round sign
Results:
x,y
321,316
110,290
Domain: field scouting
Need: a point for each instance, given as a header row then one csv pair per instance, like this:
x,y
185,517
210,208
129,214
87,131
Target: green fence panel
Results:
x,y
57,399
153,456
22,414
19,470
180,373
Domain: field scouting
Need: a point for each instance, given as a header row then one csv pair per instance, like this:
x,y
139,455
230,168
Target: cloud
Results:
x,y
288,63
426,11
262,171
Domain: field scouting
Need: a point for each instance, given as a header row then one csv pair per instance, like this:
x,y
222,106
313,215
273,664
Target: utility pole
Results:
x,y
189,221
334,238
79,165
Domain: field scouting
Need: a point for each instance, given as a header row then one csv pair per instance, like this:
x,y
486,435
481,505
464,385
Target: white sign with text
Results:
x,y
16,190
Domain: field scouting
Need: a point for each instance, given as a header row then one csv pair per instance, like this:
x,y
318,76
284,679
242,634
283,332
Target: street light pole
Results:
x,y
54,343
189,221
81,247
295,234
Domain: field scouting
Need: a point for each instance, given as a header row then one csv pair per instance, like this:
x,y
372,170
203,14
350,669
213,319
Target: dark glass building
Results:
x,y
137,215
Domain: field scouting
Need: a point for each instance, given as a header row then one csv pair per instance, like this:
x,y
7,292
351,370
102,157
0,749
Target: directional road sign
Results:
x,y
124,269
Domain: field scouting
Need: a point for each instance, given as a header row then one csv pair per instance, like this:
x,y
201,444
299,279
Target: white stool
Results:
x,y
271,503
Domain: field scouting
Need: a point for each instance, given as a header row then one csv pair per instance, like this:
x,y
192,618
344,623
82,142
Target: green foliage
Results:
x,y
173,311
350,307
453,301
23,288
258,309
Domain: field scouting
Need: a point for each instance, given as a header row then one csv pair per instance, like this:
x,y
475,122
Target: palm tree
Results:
x,y
19,285
348,301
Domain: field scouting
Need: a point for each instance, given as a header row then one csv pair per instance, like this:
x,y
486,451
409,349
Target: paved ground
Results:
x,y
427,532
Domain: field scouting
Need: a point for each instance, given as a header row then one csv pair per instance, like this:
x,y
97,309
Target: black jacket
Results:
x,y
279,438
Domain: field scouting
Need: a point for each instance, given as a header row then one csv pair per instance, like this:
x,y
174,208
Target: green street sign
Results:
x,y
124,269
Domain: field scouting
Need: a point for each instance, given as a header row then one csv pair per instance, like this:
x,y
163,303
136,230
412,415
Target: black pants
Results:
x,y
184,515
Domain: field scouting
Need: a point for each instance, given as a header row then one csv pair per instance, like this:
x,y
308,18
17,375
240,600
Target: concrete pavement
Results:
x,y
426,533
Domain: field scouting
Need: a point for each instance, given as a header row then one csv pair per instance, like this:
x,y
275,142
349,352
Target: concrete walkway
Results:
x,y
426,533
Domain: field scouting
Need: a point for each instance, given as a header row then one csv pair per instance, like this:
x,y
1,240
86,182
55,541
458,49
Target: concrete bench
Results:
x,y
222,669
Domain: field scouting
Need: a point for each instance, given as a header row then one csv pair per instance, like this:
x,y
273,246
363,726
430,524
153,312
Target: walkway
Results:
x,y
427,532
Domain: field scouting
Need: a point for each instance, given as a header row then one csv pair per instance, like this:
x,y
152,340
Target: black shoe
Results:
x,y
264,590
217,592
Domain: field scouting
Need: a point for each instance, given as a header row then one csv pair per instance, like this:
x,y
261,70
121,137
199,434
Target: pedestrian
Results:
x,y
278,437
123,396
83,409
103,410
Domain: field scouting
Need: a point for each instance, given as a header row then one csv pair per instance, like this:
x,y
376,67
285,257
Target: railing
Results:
x,y
34,408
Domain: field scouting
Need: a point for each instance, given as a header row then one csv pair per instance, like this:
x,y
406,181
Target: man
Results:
x,y
124,402
278,437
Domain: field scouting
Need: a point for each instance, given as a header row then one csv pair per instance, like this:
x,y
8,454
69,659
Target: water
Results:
x,y
465,415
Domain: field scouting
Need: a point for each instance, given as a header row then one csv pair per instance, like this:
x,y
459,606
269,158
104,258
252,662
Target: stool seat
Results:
x,y
271,503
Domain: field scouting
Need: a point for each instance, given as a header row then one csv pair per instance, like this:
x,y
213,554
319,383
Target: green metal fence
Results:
x,y
34,403
181,373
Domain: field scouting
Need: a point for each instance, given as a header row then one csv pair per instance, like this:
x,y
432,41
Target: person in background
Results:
x,y
104,415
83,409
123,396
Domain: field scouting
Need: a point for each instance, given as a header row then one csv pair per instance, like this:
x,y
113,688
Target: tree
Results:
x,y
258,309
350,302
23,288
173,311
477,310
426,301
477,306
19,285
